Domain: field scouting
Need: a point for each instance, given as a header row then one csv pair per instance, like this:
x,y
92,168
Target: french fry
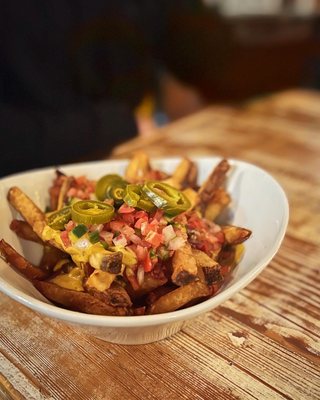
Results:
x,y
19,263
31,213
66,183
27,208
230,255
115,296
149,284
215,180
192,196
219,201
77,301
235,235
184,176
209,267
184,267
51,256
202,259
55,189
24,231
179,297
138,168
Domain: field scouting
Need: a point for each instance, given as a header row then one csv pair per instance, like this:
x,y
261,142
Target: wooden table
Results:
x,y
262,344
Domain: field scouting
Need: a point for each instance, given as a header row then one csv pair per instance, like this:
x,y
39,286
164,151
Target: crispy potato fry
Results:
x,y
220,200
149,284
51,256
230,255
66,183
184,267
138,168
31,213
115,296
215,180
24,231
54,190
235,235
202,259
210,268
19,263
193,197
179,297
77,301
184,176
27,208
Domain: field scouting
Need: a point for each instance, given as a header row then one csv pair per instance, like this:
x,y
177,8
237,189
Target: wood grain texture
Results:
x,y
264,343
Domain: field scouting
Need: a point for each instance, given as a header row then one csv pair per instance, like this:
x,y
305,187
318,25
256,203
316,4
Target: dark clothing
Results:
x,y
73,71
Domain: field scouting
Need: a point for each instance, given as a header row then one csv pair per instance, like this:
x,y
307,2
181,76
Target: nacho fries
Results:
x,y
143,243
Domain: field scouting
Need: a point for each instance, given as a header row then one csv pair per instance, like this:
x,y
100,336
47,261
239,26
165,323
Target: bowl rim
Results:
x,y
76,317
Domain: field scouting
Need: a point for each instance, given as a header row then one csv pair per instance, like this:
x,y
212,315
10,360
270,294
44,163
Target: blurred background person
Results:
x,y
73,73
78,77
69,80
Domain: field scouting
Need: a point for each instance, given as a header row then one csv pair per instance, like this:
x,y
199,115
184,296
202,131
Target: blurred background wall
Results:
x,y
267,46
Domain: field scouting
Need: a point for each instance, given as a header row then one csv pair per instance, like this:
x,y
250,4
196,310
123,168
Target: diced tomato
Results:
x,y
158,214
141,252
139,222
125,209
116,226
70,225
120,240
146,244
80,180
215,288
220,237
81,187
156,175
224,271
72,192
154,238
135,239
128,218
141,214
195,223
131,276
127,231
64,235
147,263
216,246
107,236
154,225
147,227
144,228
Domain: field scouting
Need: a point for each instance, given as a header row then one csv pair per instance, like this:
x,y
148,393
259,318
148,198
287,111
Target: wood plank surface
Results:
x,y
263,343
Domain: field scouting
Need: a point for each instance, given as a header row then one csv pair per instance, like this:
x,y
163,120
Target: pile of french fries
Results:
x,y
191,275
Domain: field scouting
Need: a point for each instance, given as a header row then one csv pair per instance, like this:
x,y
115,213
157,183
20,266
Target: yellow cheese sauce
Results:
x,y
79,255
73,280
91,252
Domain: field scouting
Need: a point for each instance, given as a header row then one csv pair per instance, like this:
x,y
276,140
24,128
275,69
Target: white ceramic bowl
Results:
x,y
258,203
